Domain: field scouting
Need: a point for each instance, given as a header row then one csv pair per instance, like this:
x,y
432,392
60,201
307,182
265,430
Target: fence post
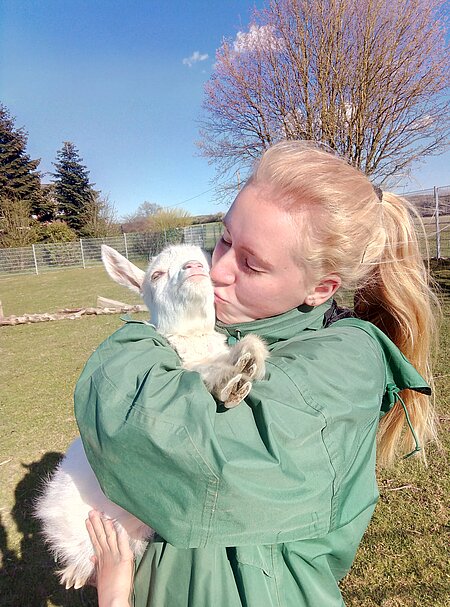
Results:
x,y
125,242
35,260
438,229
82,254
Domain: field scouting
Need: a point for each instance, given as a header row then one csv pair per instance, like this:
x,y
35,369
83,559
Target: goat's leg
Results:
x,y
224,381
229,375
233,391
248,356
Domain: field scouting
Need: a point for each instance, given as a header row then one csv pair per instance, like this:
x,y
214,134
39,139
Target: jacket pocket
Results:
x,y
255,575
255,556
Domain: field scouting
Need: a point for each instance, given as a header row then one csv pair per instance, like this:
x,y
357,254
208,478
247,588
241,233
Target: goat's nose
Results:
x,y
193,263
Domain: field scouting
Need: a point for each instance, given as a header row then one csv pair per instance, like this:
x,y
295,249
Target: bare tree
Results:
x,y
138,221
151,217
100,217
167,219
368,79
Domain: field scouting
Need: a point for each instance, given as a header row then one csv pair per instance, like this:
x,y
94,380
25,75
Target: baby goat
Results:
x,y
179,295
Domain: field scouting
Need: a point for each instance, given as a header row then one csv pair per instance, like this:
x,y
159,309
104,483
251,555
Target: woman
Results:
x,y
266,504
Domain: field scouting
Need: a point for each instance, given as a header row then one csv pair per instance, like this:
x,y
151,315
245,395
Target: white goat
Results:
x,y
179,295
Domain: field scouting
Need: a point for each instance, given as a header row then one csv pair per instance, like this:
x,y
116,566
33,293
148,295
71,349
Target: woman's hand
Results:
x,y
113,560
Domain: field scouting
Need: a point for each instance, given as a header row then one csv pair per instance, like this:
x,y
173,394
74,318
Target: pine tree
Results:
x,y
19,178
73,192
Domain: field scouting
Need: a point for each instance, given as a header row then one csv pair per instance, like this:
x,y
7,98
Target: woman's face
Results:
x,y
253,268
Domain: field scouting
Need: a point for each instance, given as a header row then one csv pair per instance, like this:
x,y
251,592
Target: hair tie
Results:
x,y
378,191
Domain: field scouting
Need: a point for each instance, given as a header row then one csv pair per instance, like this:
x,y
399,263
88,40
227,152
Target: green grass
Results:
x,y
402,562
51,291
430,229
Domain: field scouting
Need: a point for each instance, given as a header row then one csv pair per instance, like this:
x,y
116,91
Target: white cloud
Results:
x,y
195,58
257,37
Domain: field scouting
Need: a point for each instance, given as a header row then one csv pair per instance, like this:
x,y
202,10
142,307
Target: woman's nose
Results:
x,y
222,269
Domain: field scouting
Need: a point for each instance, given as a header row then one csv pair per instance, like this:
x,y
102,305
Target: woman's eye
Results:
x,y
252,269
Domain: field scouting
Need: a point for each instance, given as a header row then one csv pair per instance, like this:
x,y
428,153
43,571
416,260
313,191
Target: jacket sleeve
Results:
x,y
260,473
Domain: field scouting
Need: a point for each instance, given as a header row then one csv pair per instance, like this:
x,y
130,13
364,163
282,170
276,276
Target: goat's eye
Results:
x,y
156,275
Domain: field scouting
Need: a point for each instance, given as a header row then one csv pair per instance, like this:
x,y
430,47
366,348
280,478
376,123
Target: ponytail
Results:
x,y
398,299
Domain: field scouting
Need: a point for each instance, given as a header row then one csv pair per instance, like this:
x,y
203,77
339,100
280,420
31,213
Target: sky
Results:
x,y
123,80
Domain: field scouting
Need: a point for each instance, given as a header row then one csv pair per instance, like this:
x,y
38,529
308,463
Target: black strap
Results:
x,y
335,313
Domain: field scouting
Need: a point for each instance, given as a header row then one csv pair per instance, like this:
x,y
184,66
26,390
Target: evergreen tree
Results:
x,y
19,178
73,192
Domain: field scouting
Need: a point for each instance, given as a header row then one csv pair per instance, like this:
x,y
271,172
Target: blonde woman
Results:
x,y
265,504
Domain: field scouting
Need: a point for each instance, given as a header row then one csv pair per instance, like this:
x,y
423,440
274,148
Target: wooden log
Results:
x,y
70,310
70,314
104,302
90,311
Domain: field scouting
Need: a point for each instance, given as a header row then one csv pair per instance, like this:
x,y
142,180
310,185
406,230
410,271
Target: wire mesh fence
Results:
x,y
433,206
86,252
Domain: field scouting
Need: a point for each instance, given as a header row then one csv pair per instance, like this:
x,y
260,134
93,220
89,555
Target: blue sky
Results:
x,y
123,80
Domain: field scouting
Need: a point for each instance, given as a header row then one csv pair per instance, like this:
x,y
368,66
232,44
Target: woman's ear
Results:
x,y
325,289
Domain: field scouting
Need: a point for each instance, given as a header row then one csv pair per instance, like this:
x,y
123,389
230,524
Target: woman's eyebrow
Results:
x,y
261,260
265,262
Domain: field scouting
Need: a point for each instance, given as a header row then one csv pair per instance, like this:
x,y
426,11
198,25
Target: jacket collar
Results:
x,y
278,328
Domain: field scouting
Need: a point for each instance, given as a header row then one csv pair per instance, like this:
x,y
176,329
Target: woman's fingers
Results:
x,y
102,533
124,545
110,534
106,538
94,535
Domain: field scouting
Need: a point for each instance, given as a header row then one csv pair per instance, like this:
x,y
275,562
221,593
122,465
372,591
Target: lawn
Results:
x,y
403,560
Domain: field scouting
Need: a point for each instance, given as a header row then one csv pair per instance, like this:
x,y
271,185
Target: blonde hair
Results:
x,y
369,240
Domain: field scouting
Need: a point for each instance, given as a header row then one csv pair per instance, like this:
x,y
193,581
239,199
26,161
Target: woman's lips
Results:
x,y
219,299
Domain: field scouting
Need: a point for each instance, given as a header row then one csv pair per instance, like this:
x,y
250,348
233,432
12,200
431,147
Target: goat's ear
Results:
x,y
121,270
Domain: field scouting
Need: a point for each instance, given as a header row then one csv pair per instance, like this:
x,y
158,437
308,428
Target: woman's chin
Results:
x,y
223,315
230,317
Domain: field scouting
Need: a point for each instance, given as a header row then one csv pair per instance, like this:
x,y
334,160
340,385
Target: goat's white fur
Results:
x,y
179,295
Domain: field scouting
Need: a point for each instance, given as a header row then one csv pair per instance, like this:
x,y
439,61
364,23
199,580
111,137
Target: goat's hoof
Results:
x,y
247,365
238,397
71,578
235,390
249,357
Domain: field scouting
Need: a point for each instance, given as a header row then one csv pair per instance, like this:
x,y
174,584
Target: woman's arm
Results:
x,y
264,472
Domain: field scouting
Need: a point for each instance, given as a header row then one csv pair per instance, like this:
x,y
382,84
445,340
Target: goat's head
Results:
x,y
176,287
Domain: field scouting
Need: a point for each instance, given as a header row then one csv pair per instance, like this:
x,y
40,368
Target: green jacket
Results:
x,y
261,505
